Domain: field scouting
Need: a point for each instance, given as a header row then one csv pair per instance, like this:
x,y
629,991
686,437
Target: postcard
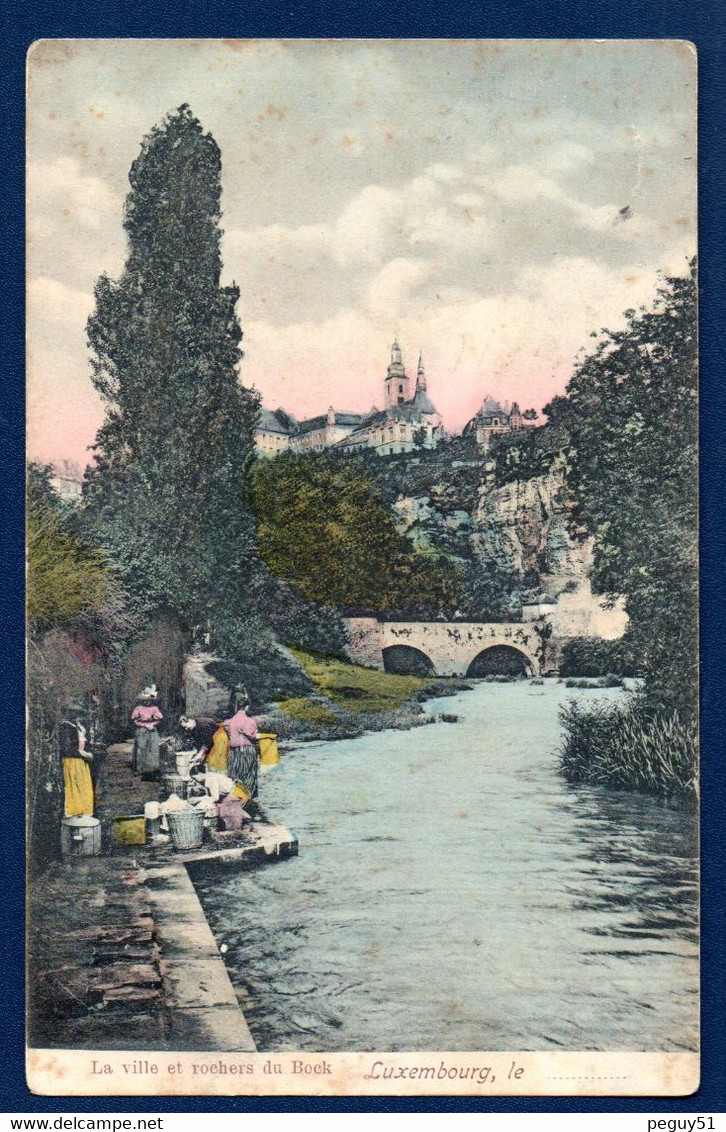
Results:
x,y
362,568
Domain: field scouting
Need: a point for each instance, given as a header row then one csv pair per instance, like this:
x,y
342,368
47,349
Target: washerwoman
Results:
x,y
242,761
146,716
77,782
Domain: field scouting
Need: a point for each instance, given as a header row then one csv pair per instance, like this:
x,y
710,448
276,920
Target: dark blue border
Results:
x,y
704,23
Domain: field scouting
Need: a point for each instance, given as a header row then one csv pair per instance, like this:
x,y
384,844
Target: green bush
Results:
x,y
253,659
629,747
591,656
301,708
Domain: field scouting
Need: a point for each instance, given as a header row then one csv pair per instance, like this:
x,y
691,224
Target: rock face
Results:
x,y
519,529
521,526
426,522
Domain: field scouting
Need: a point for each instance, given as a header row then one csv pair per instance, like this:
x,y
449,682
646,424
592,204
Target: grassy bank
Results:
x,y
627,747
350,699
357,689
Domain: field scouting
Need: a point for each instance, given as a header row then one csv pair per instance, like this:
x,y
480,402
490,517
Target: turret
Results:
x,y
396,383
421,375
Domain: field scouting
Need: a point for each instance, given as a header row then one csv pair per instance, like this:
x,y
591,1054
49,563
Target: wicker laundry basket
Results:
x,y
186,828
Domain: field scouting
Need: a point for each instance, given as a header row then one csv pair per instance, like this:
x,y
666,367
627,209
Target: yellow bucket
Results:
x,y
240,791
269,754
129,831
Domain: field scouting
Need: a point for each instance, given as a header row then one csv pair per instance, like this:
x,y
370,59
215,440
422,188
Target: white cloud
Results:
x,y
49,301
475,201
392,292
566,157
368,226
61,185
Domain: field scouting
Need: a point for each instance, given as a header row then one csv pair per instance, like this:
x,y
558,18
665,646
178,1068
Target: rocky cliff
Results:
x,y
521,526
507,528
518,528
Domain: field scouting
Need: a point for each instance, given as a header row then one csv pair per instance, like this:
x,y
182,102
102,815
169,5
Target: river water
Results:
x,y
453,893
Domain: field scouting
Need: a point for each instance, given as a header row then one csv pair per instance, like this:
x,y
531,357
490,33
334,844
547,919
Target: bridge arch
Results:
x,y
501,660
405,660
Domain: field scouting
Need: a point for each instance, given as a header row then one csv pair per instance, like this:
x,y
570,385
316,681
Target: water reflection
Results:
x,y
452,893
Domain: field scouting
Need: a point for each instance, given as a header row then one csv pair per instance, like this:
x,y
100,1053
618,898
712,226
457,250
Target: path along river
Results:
x,y
452,893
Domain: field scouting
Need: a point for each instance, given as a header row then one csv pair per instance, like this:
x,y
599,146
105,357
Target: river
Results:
x,y
453,893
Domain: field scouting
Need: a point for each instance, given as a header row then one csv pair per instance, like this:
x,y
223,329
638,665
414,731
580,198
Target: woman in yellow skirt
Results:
x,y
77,783
219,751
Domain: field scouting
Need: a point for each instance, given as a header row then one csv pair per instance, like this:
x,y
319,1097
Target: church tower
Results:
x,y
396,383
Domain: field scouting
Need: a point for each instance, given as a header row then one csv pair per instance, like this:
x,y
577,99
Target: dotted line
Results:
x,y
589,1078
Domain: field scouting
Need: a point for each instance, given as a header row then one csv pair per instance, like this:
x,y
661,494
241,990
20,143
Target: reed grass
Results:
x,y
629,747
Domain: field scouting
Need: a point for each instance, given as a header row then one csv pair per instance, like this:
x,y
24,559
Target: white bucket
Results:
x,y
80,837
183,762
152,813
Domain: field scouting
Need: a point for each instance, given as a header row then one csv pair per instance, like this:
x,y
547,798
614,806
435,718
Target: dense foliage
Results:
x,y
324,528
630,748
65,576
528,453
632,419
592,656
166,495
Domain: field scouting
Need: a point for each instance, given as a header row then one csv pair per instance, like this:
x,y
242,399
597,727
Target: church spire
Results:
x,y
421,374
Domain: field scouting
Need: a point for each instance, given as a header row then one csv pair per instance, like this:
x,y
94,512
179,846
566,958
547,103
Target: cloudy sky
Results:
x,y
466,196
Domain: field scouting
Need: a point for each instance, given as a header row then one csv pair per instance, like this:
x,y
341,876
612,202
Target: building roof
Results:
x,y
276,420
410,411
341,418
422,403
492,408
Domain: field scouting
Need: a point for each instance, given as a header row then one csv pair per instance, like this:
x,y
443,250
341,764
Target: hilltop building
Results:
x,y
404,424
326,431
275,429
494,420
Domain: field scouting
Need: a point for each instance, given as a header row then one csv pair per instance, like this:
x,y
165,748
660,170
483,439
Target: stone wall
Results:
x,y
365,641
580,613
203,695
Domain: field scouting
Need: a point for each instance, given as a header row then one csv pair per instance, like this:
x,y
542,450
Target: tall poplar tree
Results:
x,y
166,496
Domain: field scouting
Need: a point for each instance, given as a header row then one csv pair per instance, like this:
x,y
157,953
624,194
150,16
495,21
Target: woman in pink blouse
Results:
x,y
145,716
242,761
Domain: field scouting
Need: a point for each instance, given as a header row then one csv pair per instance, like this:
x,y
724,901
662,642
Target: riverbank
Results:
x,y
349,700
120,954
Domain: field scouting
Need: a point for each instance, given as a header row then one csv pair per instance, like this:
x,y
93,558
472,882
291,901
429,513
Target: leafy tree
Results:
x,y
166,496
65,577
631,413
488,591
324,529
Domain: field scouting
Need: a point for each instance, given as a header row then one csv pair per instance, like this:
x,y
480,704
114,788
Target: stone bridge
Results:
x,y
449,648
